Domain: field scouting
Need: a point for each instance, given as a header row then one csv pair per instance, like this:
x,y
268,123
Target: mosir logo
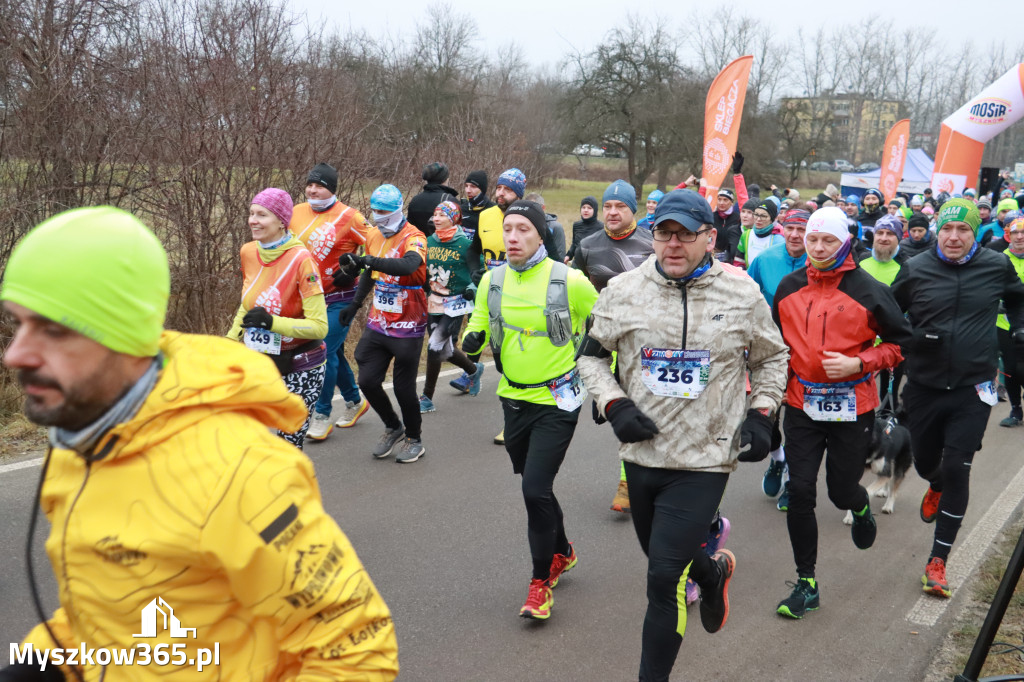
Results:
x,y
989,111
151,621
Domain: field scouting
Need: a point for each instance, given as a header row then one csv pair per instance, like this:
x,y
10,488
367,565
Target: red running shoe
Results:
x,y
930,505
560,563
934,578
539,601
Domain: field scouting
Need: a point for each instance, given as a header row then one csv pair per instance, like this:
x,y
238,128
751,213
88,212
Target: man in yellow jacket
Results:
x,y
184,534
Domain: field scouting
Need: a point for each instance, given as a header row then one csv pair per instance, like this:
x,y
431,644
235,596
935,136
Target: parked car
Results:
x,y
867,167
588,150
821,166
842,165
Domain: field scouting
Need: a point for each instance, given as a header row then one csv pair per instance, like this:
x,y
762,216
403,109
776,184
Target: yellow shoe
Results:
x,y
500,438
621,501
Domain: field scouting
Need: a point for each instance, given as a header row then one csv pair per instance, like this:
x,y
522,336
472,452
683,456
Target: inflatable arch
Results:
x,y
964,133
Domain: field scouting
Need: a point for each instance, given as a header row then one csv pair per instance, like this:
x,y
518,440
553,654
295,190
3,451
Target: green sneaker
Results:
x,y
804,598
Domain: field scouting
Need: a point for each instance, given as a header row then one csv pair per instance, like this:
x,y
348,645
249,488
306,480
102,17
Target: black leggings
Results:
x,y
536,439
671,512
373,355
444,331
946,428
1012,371
807,440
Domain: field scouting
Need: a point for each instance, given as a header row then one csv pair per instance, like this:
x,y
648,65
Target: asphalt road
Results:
x,y
445,541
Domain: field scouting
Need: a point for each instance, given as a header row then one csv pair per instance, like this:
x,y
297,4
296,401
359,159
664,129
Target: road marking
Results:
x,y
29,463
965,559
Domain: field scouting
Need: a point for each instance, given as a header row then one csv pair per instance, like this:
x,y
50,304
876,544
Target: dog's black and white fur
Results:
x,y
889,458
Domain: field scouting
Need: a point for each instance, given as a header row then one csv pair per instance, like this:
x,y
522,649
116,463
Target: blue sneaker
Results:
x,y
474,381
771,484
783,504
426,404
462,383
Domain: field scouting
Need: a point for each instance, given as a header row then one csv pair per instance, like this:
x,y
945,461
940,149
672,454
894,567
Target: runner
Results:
x,y
884,263
329,229
951,296
394,269
450,300
618,248
1013,367
830,314
764,234
164,480
652,203
767,270
587,225
476,201
283,313
682,415
540,389
421,207
919,238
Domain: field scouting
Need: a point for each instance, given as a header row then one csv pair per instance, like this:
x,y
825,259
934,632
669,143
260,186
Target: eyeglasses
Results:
x,y
762,216
683,236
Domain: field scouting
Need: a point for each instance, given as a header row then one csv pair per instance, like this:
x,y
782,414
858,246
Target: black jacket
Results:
x,y
582,229
471,213
912,248
729,232
421,208
952,309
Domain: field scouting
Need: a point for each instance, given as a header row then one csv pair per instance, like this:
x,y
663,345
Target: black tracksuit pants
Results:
x,y
374,354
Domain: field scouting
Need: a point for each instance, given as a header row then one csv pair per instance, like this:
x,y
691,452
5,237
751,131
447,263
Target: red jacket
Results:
x,y
840,310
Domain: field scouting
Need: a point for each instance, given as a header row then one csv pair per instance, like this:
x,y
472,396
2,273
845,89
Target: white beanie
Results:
x,y
829,220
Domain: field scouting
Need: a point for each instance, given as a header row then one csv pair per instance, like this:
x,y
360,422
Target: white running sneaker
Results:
x,y
351,414
320,426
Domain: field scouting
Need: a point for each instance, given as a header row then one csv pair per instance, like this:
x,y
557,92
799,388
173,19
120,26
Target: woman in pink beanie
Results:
x,y
283,314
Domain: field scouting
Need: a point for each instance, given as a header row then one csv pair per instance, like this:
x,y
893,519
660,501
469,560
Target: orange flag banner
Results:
x,y
894,155
722,113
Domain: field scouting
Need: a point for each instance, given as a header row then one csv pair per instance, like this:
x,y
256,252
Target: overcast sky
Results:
x,y
547,29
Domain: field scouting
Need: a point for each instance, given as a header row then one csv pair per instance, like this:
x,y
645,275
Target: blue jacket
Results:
x,y
771,266
646,222
992,227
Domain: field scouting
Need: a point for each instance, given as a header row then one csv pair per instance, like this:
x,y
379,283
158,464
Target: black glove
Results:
x,y
343,279
596,413
737,163
477,275
348,313
352,263
755,437
470,293
473,342
1018,339
259,318
629,423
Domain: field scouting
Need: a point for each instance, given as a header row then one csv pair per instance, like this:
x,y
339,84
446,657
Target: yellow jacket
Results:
x,y
195,502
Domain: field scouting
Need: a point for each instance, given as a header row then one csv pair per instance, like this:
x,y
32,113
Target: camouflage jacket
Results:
x,y
722,312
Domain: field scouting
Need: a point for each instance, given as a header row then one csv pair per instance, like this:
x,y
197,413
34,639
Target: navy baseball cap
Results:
x,y
686,207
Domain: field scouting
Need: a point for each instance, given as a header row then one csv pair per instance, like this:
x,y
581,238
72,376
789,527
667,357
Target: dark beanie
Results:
x,y
749,205
324,175
769,206
532,212
591,202
478,178
918,220
435,173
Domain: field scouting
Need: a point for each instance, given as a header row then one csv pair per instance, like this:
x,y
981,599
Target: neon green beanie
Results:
x,y
98,271
1006,205
962,210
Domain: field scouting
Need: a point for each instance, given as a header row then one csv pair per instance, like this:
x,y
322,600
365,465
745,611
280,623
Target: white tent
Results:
x,y
917,175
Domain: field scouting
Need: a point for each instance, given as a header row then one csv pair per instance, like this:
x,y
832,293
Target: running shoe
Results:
x,y
462,383
320,426
539,601
783,503
426,405
474,381
934,578
714,604
802,599
352,412
410,451
561,563
387,442
718,533
864,530
500,438
620,502
1016,417
930,505
771,483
